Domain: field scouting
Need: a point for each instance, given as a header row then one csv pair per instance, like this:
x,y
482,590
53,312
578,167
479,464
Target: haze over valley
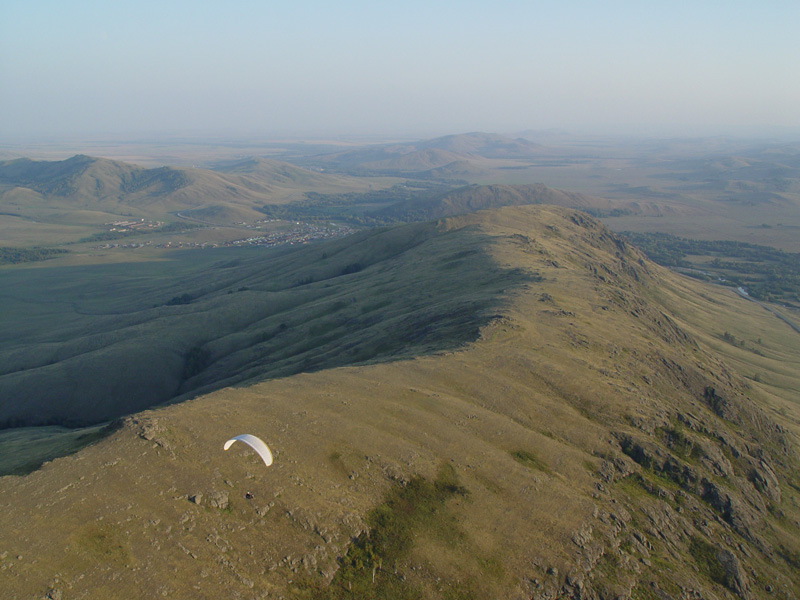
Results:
x,y
508,295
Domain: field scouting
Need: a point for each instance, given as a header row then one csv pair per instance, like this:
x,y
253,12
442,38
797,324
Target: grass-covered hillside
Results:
x,y
88,344
424,201
85,190
599,439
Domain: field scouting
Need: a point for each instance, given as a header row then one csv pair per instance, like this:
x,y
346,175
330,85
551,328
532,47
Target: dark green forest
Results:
x,y
768,274
10,256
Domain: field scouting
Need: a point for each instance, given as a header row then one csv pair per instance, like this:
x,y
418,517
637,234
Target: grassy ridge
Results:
x,y
608,442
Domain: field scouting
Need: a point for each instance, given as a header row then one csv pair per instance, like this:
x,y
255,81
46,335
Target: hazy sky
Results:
x,y
429,67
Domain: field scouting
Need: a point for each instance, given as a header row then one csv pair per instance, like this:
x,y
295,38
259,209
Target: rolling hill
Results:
x,y
486,145
469,151
416,161
482,197
422,201
54,191
276,172
582,430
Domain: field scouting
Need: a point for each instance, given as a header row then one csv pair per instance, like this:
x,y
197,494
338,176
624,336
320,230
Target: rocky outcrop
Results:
x,y
735,578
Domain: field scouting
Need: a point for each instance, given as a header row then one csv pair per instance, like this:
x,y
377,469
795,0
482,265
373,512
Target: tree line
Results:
x,y
11,256
768,274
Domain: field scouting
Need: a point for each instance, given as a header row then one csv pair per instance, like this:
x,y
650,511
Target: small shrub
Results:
x,y
302,282
366,570
681,444
195,361
791,557
352,268
178,300
705,555
530,460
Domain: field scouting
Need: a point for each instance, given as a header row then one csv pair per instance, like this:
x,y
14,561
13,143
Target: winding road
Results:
x,y
743,293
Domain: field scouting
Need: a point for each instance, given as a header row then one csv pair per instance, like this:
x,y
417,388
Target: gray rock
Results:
x,y
765,481
735,577
218,500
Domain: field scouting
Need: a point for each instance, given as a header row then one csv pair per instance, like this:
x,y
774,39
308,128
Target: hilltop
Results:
x,y
487,145
275,171
592,435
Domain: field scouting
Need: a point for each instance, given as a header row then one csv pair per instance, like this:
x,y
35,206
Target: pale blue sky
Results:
x,y
418,68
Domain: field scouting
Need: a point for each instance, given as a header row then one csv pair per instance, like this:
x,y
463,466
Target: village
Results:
x,y
297,233
300,234
135,225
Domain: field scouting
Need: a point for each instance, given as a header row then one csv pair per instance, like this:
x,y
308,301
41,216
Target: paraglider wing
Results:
x,y
255,443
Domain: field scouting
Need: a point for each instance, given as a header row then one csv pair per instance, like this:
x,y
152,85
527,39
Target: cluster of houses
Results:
x,y
132,225
149,244
302,233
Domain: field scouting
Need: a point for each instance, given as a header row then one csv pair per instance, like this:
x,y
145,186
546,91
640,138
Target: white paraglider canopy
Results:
x,y
255,443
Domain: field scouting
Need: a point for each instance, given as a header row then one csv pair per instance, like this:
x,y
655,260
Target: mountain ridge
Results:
x,y
487,145
596,442
425,155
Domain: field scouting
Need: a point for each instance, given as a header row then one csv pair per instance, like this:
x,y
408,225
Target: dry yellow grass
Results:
x,y
531,417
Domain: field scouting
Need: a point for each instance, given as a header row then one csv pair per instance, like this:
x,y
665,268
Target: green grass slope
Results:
x,y
597,441
88,344
275,171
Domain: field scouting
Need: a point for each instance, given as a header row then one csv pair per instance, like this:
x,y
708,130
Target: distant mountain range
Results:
x,y
239,190
425,179
461,153
89,183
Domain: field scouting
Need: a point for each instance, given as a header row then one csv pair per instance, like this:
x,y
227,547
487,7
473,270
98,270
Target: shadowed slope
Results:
x,y
591,444
151,333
